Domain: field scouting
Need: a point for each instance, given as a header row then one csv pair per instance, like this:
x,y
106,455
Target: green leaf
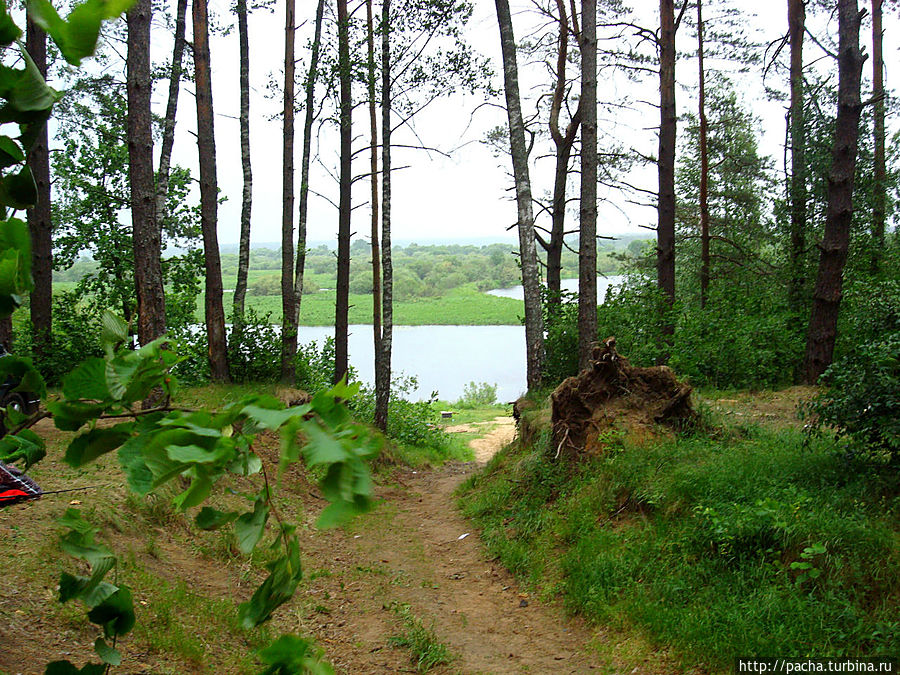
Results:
x,y
92,594
87,381
89,446
18,190
250,526
9,31
212,519
322,447
31,93
114,330
106,653
273,419
66,668
131,458
10,152
77,36
15,263
284,576
341,512
25,446
115,614
292,655
247,464
195,495
72,415
22,369
194,454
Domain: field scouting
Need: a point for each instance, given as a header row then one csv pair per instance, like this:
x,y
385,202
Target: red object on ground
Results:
x,y
16,487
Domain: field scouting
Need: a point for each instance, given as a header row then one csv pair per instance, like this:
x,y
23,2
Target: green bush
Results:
x,y
478,395
862,400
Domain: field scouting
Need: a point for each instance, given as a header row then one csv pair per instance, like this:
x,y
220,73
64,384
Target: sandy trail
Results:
x,y
417,549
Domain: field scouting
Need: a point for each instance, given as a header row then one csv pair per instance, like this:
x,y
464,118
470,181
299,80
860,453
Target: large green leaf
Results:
x,y
115,614
285,573
31,93
131,457
89,446
292,655
87,381
322,447
195,495
249,527
18,190
77,35
92,594
273,419
21,369
9,31
10,152
26,446
72,415
212,519
107,653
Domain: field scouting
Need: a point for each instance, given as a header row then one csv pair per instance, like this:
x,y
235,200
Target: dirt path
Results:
x,y
417,549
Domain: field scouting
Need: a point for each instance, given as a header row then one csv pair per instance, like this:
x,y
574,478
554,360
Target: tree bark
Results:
x,y
563,141
798,195
342,300
587,249
704,167
168,138
534,325
878,94
373,181
288,320
303,207
240,288
146,236
665,228
383,364
822,330
39,216
215,314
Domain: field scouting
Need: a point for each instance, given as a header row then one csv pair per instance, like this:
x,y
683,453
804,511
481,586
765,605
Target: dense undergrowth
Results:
x,y
756,542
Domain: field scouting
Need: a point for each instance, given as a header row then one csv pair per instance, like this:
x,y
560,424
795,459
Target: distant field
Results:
x,y
461,306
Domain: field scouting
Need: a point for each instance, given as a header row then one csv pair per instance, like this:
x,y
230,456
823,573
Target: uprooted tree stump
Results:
x,y
613,394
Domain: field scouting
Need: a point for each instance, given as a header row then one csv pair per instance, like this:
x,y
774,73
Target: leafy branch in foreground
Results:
x,y
161,444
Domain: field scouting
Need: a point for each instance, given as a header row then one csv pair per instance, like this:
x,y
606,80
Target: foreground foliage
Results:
x,y
759,542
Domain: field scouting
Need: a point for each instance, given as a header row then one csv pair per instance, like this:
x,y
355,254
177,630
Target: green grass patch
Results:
x,y
463,306
760,544
423,643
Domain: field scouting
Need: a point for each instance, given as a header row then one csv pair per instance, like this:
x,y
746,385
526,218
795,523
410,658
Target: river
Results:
x,y
446,358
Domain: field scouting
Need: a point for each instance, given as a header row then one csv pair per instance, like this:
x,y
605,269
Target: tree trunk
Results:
x,y
146,236
168,138
240,288
563,143
383,364
878,94
206,146
288,320
534,325
373,179
303,208
665,228
827,296
587,249
342,300
704,168
39,217
798,198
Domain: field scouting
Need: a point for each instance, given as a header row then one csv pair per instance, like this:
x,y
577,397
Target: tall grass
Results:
x,y
766,544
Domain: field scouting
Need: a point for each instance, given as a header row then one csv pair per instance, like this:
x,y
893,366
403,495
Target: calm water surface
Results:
x,y
446,358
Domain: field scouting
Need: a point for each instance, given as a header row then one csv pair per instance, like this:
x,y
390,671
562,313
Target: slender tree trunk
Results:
x,y
303,208
383,365
240,288
342,301
168,138
827,296
563,142
665,228
534,325
798,198
878,94
288,320
704,168
39,217
146,235
206,146
373,171
587,250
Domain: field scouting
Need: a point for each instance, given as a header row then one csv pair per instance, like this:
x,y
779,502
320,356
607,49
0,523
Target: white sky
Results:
x,y
462,197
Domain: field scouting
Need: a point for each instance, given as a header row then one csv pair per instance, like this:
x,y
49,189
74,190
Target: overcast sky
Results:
x,y
465,196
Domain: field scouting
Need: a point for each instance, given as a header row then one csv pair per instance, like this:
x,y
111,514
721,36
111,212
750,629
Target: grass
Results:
x,y
705,545
423,643
463,306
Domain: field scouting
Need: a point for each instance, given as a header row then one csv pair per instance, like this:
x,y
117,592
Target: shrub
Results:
x,y
478,395
862,401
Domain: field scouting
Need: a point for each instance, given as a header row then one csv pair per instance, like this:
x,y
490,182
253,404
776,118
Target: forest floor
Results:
x,y
414,561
